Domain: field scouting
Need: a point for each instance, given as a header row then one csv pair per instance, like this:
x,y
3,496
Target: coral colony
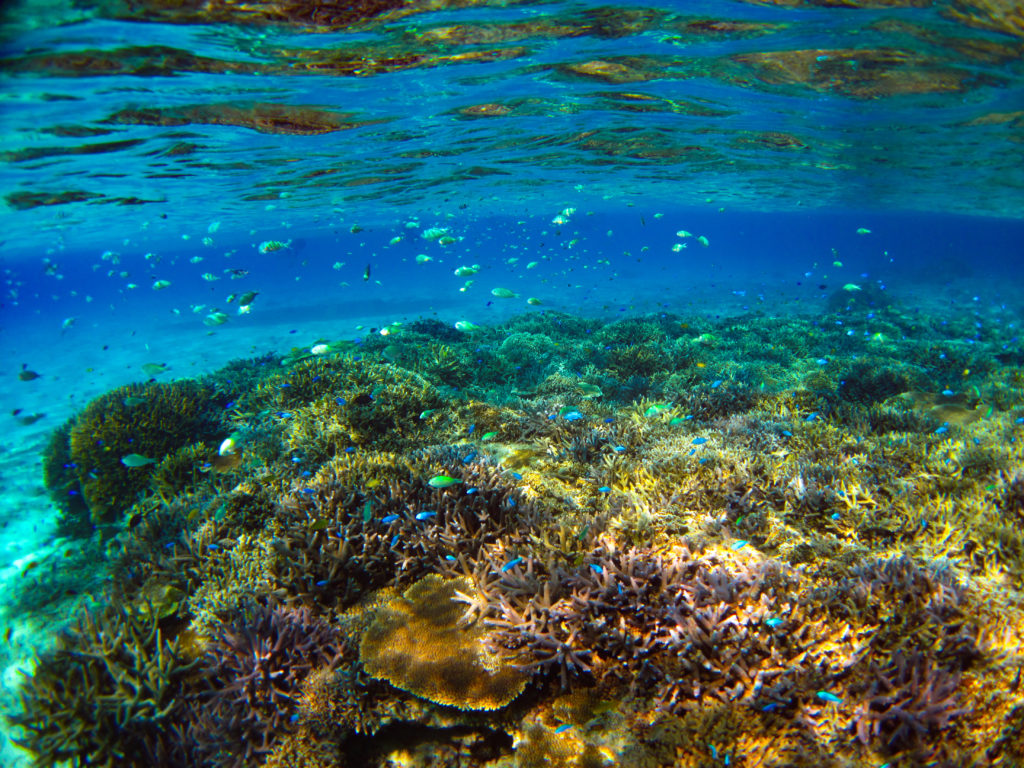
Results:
x,y
653,542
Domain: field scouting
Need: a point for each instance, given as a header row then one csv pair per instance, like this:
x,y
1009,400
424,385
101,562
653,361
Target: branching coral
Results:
x,y
256,666
110,694
151,420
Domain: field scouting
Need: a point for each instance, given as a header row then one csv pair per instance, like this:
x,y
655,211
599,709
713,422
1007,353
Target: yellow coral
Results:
x,y
415,644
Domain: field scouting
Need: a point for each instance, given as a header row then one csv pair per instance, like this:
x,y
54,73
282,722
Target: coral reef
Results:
x,y
653,541
149,420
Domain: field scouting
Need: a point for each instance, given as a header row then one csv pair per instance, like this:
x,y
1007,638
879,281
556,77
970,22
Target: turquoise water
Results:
x,y
703,293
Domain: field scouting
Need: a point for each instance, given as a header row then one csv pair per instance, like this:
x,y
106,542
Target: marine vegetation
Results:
x,y
658,541
112,446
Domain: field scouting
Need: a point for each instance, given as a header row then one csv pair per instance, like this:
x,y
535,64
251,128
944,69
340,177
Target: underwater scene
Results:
x,y
512,384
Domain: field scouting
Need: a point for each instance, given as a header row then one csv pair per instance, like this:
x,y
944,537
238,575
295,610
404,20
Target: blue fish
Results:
x,y
450,558
699,441
773,622
389,519
472,428
831,698
618,448
511,564
740,544
395,539
322,583
787,433
597,568
516,475
942,430
604,489
573,416
716,383
339,400
468,457
563,728
425,515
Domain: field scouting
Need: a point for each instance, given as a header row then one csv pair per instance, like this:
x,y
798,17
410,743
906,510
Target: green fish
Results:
x,y
676,421
488,436
154,368
534,301
427,414
442,481
135,460
589,390
503,293
655,409
131,402
368,512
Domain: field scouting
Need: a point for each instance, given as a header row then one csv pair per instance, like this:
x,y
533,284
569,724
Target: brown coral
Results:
x,y
416,643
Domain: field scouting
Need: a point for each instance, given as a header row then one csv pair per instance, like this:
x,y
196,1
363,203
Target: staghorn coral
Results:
x,y
111,693
256,665
416,643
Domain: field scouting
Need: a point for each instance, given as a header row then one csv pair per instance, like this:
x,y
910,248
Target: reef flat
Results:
x,y
557,541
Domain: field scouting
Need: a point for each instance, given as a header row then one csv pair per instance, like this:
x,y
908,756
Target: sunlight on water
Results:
x,y
508,384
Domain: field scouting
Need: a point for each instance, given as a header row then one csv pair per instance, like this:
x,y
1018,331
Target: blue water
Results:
x,y
149,151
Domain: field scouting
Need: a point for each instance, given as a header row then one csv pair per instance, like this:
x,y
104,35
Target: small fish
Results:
x,y
676,421
247,298
656,409
532,264
511,564
214,319
389,519
159,285
368,512
572,416
589,390
831,698
135,460
852,287
698,441
863,231
703,241
773,622
739,544
534,301
209,277
25,374
427,414
488,436
434,233
467,271
319,524
366,273
236,274
422,258
504,293
563,728
465,326
154,368
269,246
442,481
604,489
426,515
683,233
30,419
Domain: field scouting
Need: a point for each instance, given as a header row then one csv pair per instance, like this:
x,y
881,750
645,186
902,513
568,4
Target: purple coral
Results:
x,y
256,665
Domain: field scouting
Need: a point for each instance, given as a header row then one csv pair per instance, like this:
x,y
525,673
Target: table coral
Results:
x,y
417,644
